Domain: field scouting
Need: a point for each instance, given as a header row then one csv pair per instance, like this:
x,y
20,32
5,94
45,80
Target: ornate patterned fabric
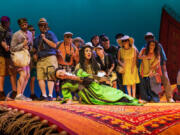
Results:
x,y
151,119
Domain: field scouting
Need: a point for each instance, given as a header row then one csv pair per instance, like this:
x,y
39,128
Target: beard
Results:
x,y
24,29
43,31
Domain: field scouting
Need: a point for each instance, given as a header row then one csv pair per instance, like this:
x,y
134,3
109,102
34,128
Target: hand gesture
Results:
x,y
6,48
151,73
132,69
123,65
26,47
43,36
35,57
61,74
59,52
25,43
149,57
103,79
74,55
109,73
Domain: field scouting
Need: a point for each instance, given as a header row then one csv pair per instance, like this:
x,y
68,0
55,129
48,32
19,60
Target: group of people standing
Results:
x,y
93,70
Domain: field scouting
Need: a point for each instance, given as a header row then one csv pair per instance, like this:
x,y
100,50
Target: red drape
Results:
x,y
170,39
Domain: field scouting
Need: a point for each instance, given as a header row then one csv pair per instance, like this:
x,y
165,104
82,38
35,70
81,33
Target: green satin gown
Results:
x,y
97,94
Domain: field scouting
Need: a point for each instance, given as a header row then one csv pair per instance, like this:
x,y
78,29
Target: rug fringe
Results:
x,y
17,122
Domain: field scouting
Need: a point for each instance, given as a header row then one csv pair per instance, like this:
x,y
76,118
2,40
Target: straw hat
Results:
x,y
42,20
78,39
126,37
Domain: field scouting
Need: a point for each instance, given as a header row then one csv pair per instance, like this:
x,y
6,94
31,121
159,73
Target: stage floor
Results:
x,y
78,119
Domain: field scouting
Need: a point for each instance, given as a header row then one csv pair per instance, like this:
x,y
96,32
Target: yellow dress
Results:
x,y
127,57
145,66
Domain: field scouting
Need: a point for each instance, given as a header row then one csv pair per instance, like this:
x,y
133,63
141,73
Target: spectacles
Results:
x,y
149,37
31,29
68,36
104,40
23,24
125,40
41,25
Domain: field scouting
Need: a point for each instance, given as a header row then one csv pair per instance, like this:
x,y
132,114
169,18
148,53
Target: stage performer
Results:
x,y
107,65
127,56
68,57
150,71
165,79
6,65
45,45
78,42
87,81
95,40
119,75
22,39
108,47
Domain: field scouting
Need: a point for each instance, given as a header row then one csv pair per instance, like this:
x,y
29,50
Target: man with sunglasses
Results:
x,y
45,46
108,48
68,52
22,39
68,55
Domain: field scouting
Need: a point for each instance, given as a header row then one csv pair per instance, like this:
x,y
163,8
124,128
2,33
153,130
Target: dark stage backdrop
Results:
x,y
88,17
170,38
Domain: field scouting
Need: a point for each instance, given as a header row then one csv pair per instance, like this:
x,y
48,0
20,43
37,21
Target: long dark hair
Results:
x,y
156,49
93,61
93,38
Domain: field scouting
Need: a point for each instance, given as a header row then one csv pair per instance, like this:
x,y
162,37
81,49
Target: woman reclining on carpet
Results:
x,y
87,84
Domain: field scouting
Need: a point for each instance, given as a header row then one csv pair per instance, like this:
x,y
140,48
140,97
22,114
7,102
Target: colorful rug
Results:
x,y
151,119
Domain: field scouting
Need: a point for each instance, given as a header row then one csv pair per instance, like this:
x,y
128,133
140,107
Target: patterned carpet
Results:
x,y
150,119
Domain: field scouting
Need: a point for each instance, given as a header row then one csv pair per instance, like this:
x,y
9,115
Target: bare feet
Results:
x,y
142,101
69,102
171,100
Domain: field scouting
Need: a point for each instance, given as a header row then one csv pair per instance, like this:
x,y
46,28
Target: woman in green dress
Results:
x,y
86,81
